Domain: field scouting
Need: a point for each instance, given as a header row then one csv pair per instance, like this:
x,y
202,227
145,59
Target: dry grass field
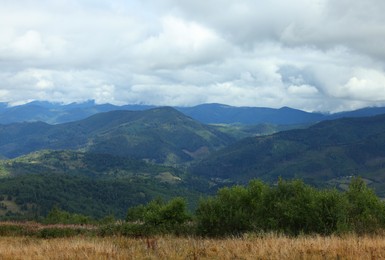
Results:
x,y
168,247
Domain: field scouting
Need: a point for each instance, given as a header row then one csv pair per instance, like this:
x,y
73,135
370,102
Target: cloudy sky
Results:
x,y
315,55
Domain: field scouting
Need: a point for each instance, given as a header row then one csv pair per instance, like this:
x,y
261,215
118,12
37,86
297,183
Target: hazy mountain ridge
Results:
x,y
55,113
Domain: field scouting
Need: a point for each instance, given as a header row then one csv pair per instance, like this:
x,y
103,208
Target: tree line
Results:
x,y
289,207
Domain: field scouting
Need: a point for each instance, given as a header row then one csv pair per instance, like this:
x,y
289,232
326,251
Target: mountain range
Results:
x,y
55,113
110,160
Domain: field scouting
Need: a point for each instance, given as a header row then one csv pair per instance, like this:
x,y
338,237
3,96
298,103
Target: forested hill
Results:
x,y
324,153
161,135
91,184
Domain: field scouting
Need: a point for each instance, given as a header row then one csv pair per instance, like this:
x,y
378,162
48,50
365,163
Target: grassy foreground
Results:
x,y
169,247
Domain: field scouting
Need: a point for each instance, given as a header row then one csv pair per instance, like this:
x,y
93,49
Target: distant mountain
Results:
x,y
207,113
223,114
368,111
325,152
55,113
161,135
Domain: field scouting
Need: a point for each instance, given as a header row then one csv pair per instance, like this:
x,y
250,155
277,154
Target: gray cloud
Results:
x,y
317,55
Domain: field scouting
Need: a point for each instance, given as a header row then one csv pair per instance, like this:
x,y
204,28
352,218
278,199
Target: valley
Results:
x,y
105,163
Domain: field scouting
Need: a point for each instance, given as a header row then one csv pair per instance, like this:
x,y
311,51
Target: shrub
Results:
x,y
290,207
58,216
366,212
160,217
229,213
330,213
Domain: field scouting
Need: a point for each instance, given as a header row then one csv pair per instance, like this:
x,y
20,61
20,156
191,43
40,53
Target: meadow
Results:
x,y
250,246
288,221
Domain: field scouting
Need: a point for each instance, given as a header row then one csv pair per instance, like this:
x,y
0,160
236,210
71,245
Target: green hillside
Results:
x,y
161,135
111,161
239,131
328,152
91,184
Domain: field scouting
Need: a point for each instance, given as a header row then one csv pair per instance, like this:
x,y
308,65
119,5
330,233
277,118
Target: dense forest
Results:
x,y
290,207
91,184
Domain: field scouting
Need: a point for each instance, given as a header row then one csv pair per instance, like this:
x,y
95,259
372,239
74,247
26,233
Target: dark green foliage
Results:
x,y
56,216
330,212
109,219
325,151
95,185
95,197
290,207
157,216
366,212
228,213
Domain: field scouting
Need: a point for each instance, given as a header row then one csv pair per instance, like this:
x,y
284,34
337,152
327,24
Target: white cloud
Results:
x,y
302,90
179,44
30,44
309,54
365,85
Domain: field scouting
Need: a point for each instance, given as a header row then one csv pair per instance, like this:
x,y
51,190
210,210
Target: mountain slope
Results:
x,y
325,151
163,135
90,184
223,114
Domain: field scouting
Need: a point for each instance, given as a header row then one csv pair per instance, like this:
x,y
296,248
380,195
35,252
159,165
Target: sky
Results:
x,y
314,55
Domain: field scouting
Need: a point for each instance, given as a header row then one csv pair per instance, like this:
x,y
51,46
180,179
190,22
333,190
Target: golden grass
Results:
x,y
168,247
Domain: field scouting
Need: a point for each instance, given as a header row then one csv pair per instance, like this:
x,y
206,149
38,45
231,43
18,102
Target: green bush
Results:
x,y
290,207
366,212
230,212
160,217
110,219
58,216
330,212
